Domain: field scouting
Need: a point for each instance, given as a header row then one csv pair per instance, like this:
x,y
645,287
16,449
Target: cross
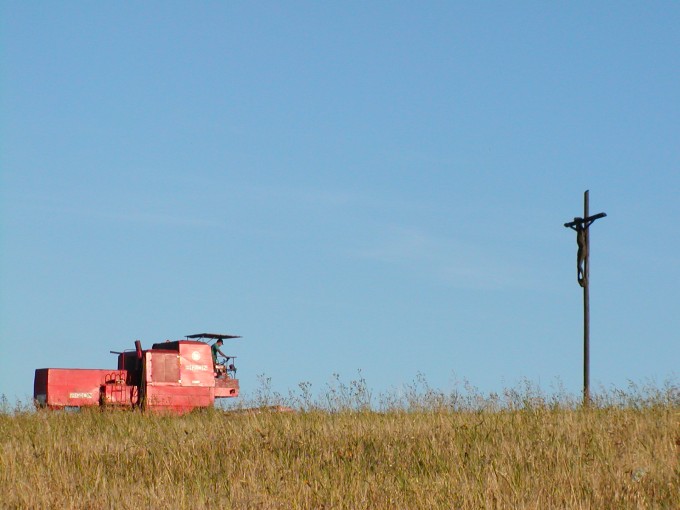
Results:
x,y
581,226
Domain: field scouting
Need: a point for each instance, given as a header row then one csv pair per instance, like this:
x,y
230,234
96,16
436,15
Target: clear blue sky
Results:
x,y
352,185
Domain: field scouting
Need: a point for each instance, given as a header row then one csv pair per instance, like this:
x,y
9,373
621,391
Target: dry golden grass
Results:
x,y
539,456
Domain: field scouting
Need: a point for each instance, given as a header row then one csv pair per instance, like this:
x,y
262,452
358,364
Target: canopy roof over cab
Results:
x,y
212,336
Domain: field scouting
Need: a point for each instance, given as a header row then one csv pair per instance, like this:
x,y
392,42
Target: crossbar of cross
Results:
x,y
584,222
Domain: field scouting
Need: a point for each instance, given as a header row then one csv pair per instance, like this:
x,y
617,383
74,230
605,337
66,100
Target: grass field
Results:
x,y
424,450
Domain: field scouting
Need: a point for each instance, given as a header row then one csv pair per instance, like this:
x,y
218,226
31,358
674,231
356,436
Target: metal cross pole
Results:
x,y
581,226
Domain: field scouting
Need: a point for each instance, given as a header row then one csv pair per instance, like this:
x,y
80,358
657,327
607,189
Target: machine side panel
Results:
x,y
196,366
227,387
161,368
178,399
62,387
169,384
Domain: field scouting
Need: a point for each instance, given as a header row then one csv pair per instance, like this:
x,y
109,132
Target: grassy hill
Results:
x,y
535,454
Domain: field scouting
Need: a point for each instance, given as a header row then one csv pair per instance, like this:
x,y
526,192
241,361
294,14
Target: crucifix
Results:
x,y
581,226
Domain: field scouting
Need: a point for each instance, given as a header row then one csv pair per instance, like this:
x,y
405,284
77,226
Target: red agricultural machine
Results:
x,y
173,376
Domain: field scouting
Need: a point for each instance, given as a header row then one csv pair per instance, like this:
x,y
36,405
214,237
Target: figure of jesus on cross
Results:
x,y
581,226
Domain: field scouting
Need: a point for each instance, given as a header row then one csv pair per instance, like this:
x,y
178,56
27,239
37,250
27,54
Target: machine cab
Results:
x,y
226,384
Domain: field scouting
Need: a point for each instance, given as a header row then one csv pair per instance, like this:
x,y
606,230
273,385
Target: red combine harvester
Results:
x,y
176,377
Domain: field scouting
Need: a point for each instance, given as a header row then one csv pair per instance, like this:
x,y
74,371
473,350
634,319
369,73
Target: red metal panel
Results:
x,y
165,367
161,368
60,387
226,388
196,367
183,394
177,399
